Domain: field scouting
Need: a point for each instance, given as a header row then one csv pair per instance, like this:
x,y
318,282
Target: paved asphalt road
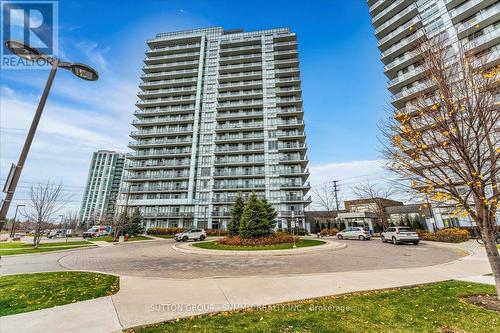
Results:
x,y
158,259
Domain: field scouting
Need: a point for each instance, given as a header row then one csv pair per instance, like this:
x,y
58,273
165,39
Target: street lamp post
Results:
x,y
27,52
13,228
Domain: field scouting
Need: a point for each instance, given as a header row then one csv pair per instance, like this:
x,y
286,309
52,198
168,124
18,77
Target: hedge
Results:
x,y
448,235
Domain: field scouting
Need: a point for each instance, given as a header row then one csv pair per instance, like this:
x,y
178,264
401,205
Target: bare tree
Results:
x,y
446,141
45,201
375,194
324,199
72,220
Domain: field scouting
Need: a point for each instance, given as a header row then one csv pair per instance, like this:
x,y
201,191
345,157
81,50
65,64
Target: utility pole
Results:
x,y
335,192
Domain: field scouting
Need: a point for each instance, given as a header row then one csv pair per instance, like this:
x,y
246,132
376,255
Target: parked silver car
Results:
x,y
194,234
398,235
354,233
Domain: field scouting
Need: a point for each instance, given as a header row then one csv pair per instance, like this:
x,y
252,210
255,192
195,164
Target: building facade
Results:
x,y
399,24
102,188
219,113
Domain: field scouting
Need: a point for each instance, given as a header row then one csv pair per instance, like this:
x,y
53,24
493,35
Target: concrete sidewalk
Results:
x,y
147,300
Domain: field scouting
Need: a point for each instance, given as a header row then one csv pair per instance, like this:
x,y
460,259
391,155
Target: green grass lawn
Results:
x,y
429,308
110,239
29,292
216,246
11,248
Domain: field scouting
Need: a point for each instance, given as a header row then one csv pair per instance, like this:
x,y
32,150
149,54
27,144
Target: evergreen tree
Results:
x,y
134,225
233,227
269,217
417,225
251,219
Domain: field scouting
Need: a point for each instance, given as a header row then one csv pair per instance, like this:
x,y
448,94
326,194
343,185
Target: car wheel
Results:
x,y
394,240
185,238
361,237
382,238
202,237
415,242
340,237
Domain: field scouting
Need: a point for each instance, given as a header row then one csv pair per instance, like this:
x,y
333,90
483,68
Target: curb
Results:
x,y
189,248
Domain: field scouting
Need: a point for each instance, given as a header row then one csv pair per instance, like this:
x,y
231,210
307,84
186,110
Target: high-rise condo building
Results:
x,y
219,113
102,188
400,24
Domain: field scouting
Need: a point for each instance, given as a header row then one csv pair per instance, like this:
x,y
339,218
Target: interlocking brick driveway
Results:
x,y
158,259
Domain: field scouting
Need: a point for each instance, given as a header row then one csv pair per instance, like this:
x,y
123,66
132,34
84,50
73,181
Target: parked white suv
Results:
x,y
398,235
354,233
193,234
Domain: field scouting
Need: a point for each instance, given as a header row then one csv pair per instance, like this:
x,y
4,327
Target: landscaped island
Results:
x,y
251,228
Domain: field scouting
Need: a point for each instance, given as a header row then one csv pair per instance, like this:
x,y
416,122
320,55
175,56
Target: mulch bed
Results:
x,y
485,301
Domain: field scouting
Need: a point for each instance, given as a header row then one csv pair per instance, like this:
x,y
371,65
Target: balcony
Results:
x,y
163,92
161,142
172,188
295,198
166,215
293,158
294,90
240,84
401,32
238,174
290,134
168,83
396,20
405,95
259,136
238,149
242,75
290,123
240,49
288,100
249,126
389,12
169,74
165,101
162,120
481,20
239,67
240,186
401,47
284,146
291,213
281,81
163,131
172,49
239,94
280,72
295,185
165,110
240,58
284,54
289,111
294,172
155,165
157,176
485,41
397,83
379,6
252,159
175,57
239,104
287,62
257,113
472,6
399,63
450,4
285,45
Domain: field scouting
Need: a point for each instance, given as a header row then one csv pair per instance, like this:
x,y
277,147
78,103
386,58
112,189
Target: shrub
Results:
x,y
277,238
329,232
448,235
216,232
164,231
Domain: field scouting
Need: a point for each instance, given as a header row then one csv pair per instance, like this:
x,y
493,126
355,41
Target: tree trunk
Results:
x,y
493,257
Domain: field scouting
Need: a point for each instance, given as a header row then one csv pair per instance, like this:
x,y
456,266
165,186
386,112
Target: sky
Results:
x,y
344,89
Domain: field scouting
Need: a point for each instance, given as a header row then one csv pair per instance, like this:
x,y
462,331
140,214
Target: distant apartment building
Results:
x,y
399,24
102,188
219,113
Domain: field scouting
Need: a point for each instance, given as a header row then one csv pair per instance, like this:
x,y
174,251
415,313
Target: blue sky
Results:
x,y
344,88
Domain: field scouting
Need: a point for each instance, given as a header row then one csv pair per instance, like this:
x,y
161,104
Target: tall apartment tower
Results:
x,y
102,188
399,24
220,113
